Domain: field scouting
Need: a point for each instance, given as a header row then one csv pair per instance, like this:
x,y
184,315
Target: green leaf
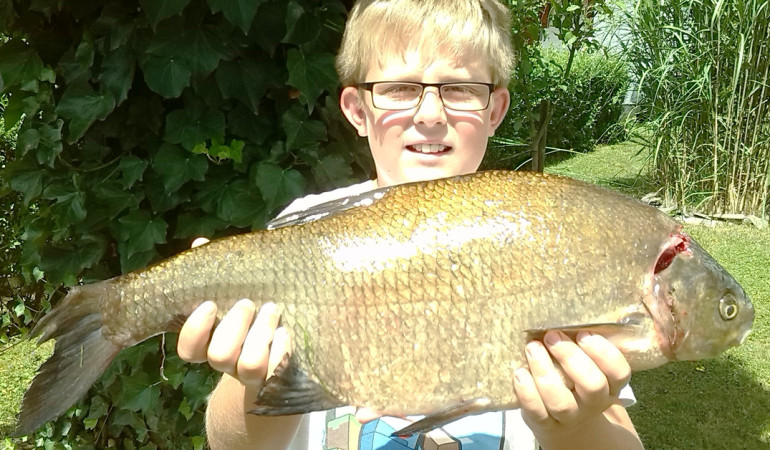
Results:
x,y
117,72
194,125
301,130
50,145
238,12
332,170
269,26
277,185
82,106
70,203
177,166
166,76
191,225
131,168
68,259
203,49
301,26
571,8
254,128
157,11
139,231
239,204
19,62
248,79
140,393
311,74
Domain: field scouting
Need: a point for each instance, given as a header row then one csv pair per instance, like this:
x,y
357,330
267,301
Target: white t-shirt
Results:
x,y
338,429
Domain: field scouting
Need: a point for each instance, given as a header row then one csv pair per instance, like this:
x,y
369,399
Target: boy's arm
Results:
x,y
587,415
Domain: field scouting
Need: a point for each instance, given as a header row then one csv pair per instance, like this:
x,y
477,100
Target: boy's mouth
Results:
x,y
432,149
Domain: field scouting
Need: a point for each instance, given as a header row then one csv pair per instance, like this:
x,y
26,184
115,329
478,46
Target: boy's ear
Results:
x,y
353,108
501,99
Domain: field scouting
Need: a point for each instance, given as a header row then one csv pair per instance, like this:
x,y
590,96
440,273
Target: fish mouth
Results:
x,y
429,149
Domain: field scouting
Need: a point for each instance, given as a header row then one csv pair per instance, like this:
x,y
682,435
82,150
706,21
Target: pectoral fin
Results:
x,y
441,418
290,391
625,325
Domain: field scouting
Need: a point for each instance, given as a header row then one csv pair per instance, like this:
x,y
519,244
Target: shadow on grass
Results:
x,y
714,404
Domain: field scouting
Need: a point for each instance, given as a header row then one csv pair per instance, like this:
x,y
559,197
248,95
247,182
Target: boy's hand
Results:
x,y
595,366
246,348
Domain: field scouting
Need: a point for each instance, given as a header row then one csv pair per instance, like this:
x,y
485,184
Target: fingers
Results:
x,y
595,371
542,392
194,337
608,359
279,348
252,364
364,415
227,340
197,242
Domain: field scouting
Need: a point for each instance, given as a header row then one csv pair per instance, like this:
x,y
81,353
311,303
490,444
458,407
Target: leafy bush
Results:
x,y
144,124
587,105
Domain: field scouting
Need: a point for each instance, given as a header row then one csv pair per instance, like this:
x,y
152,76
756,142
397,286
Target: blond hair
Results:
x,y
379,29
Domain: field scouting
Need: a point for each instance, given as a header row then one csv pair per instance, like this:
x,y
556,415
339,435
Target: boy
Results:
x,y
426,84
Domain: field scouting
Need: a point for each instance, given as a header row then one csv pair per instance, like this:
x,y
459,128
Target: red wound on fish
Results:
x,y
676,245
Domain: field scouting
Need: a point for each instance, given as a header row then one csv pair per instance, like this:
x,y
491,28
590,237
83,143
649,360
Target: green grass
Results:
x,y
722,403
714,404
19,360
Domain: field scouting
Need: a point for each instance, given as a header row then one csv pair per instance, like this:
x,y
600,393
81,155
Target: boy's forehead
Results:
x,y
416,63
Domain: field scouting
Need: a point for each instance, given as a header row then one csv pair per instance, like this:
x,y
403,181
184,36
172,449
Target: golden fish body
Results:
x,y
425,297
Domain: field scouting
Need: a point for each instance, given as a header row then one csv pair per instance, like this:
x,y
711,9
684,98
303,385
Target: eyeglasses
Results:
x,y
401,95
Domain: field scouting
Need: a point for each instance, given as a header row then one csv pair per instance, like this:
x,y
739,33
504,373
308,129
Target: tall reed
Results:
x,y
703,68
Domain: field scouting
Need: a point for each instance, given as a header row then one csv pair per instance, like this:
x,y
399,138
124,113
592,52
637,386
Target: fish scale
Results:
x,y
422,301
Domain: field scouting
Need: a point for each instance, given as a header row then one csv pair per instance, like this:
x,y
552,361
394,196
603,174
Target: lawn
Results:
x,y
715,404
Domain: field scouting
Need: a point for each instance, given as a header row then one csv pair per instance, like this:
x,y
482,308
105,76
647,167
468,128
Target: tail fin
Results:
x,y
81,355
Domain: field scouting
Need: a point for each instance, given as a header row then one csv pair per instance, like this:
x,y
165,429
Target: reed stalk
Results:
x,y
703,67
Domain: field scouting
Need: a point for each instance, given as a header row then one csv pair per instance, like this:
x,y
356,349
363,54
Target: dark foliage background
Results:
x,y
144,124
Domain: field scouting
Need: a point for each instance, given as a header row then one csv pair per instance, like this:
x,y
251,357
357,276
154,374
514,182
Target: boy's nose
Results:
x,y
430,111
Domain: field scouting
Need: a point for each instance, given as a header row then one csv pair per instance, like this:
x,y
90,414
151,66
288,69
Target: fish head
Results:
x,y
699,309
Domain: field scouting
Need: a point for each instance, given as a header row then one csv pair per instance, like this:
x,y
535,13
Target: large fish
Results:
x,y
419,298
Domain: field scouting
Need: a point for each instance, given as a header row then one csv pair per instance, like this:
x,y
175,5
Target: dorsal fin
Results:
x,y
328,209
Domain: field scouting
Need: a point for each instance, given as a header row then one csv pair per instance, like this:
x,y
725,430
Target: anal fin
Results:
x,y
441,418
290,391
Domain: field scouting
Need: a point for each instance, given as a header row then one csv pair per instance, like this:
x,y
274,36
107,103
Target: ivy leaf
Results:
x,y
131,168
311,74
139,231
19,62
332,170
301,130
177,166
26,177
203,49
70,203
140,393
277,185
269,26
194,125
127,418
301,26
68,259
240,205
82,106
117,72
157,11
166,76
238,12
50,145
189,225
248,79
254,128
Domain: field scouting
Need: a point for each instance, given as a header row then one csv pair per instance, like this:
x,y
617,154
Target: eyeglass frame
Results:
x,y
369,86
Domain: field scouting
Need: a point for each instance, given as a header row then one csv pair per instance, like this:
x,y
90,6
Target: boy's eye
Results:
x,y
400,90
461,89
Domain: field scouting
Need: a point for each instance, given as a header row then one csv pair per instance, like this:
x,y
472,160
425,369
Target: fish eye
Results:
x,y
728,307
